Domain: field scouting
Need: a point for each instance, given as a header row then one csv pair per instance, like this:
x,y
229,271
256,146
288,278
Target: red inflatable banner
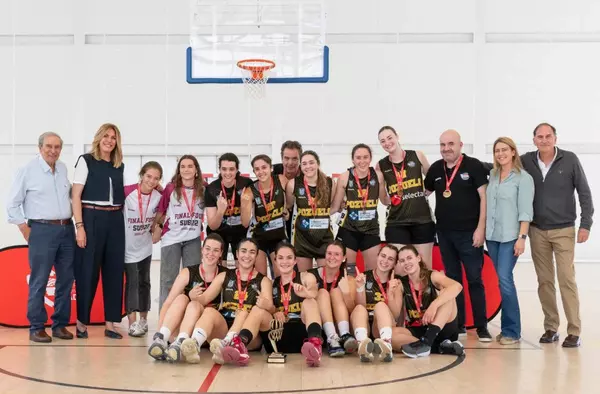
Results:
x,y
14,289
490,282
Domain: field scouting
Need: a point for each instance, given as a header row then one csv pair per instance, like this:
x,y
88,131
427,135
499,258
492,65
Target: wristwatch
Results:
x,y
523,236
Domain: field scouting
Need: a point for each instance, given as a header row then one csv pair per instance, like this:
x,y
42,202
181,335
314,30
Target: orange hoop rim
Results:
x,y
269,64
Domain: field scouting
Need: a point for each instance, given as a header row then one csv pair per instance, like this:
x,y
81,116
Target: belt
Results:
x,y
102,208
61,222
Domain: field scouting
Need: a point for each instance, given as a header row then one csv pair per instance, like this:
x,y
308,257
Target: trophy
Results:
x,y
275,335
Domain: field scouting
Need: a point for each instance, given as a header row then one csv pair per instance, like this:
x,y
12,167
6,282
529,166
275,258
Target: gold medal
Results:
x,y
447,193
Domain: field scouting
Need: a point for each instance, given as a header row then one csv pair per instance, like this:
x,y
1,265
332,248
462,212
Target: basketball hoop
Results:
x,y
255,75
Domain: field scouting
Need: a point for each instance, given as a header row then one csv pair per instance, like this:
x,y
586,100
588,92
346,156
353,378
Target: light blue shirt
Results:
x,y
38,193
508,203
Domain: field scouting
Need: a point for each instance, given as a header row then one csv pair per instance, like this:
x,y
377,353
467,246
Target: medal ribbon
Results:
x,y
145,211
242,294
232,204
191,208
454,172
262,196
335,278
364,195
418,300
399,176
381,287
311,200
286,296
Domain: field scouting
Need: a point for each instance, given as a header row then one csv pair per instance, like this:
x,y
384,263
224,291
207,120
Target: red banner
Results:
x,y
14,290
490,283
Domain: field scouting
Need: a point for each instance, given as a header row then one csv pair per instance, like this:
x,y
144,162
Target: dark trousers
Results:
x,y
457,247
104,251
137,289
50,245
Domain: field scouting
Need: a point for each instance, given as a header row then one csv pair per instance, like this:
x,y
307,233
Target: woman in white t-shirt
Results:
x,y
179,222
141,204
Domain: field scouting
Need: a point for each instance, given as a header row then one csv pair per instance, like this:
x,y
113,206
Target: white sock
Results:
x,y
182,336
165,332
199,335
344,327
360,334
329,330
229,337
385,333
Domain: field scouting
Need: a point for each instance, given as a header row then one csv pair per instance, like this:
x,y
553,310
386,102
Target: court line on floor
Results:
x,y
209,379
457,361
530,343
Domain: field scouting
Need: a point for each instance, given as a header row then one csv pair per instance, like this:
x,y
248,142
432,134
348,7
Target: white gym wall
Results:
x,y
487,68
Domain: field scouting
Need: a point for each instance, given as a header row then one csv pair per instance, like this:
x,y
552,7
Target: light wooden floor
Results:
x,y
104,365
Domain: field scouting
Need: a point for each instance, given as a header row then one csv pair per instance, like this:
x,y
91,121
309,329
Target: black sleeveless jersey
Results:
x,y
230,293
295,305
330,285
196,280
373,292
269,226
315,225
232,219
413,317
363,219
414,208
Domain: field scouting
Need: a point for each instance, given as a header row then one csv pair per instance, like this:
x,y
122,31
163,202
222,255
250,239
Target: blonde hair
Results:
x,y
116,156
516,160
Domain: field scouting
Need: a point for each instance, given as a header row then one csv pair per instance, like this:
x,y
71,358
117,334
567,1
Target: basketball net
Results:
x,y
255,74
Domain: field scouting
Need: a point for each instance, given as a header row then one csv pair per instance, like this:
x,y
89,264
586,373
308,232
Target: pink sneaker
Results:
x,y
312,351
236,352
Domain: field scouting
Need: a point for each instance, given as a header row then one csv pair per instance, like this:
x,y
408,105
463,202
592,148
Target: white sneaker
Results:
x,y
144,324
191,351
135,330
216,345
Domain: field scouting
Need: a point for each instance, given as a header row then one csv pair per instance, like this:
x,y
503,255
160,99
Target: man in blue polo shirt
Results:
x,y
39,204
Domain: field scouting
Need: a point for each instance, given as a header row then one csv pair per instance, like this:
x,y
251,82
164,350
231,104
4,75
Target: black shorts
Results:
x,y
268,246
449,331
411,234
294,334
356,241
307,247
230,239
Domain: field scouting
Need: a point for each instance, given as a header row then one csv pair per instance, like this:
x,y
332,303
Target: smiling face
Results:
x,y
409,261
386,260
151,178
187,169
262,170
211,252
228,170
309,166
290,159
545,139
334,257
450,146
362,159
285,260
50,150
246,255
388,140
503,154
108,142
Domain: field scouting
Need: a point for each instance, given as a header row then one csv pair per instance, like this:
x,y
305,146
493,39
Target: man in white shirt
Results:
x,y
39,204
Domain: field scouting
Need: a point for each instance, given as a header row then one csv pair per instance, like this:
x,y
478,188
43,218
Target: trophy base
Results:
x,y
276,358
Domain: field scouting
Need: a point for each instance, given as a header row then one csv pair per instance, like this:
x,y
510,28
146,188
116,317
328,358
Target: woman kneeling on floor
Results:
x,y
430,303
293,305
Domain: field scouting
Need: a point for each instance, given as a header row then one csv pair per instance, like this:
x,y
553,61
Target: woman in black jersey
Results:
x,y
180,309
409,217
293,303
430,304
222,198
239,289
378,306
361,187
332,302
311,194
264,201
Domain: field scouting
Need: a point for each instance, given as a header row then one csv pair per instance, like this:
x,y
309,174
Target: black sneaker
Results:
x,y
462,331
484,334
416,349
455,348
349,343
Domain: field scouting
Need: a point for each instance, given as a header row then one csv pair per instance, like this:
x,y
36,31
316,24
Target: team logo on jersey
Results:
x,y
411,164
353,215
305,223
254,287
350,183
230,284
372,183
258,201
301,191
275,291
369,285
276,192
239,192
465,176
